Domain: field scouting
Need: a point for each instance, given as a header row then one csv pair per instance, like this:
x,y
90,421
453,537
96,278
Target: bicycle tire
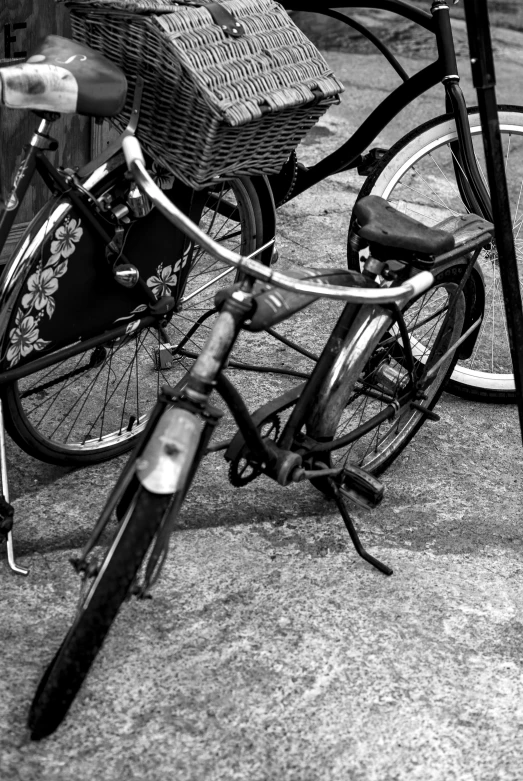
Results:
x,y
376,376
90,408
71,664
417,176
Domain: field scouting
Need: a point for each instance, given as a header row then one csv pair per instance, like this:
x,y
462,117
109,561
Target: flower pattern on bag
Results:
x,y
166,277
67,235
39,301
162,281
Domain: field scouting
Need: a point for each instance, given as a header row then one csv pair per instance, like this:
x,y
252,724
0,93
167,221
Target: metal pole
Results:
x,y
482,62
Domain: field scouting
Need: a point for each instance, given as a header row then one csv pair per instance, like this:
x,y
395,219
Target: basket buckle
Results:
x,y
225,20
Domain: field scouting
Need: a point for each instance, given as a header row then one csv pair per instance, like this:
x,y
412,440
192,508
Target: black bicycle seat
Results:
x,y
381,224
67,77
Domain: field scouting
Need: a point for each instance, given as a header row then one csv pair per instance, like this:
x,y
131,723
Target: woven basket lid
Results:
x,y
271,67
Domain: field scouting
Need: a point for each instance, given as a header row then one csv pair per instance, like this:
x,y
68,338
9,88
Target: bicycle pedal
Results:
x,y
361,487
163,357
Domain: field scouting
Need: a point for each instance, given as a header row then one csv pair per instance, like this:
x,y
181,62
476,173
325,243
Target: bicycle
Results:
x,y
434,171
100,287
377,380
66,383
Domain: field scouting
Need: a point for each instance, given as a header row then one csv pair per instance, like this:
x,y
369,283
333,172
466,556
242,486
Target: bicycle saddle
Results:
x,y
67,77
380,223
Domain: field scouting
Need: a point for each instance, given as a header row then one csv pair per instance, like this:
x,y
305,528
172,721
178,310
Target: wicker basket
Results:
x,y
213,106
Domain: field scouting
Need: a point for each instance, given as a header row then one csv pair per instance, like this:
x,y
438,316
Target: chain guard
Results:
x,y
283,183
241,470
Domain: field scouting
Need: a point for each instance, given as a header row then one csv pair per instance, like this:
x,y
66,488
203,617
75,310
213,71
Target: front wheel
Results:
x,y
363,383
99,607
418,177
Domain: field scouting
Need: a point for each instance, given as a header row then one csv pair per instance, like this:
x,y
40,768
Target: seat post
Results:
x,y
373,267
40,138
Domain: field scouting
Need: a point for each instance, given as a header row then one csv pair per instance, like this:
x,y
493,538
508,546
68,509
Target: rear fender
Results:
x,y
475,290
268,210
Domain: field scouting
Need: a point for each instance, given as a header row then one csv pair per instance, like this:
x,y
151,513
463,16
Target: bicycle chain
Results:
x,y
291,165
241,470
294,162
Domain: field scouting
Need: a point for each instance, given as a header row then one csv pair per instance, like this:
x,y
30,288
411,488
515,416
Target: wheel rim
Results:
x,y
424,186
385,379
98,401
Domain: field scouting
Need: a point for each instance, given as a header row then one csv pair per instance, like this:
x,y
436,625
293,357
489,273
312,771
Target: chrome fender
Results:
x,y
369,325
165,462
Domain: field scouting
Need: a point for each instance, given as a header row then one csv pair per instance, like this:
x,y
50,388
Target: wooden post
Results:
x,y
22,24
482,62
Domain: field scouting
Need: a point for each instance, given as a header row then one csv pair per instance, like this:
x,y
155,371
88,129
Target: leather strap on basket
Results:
x,y
224,19
220,15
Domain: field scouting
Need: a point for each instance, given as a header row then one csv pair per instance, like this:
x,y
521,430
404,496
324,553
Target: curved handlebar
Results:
x,y
398,295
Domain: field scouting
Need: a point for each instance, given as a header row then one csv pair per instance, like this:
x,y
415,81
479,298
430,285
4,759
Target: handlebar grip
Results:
x,y
132,150
419,283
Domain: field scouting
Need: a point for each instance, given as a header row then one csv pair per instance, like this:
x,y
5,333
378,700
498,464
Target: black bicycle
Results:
x,y
435,171
416,306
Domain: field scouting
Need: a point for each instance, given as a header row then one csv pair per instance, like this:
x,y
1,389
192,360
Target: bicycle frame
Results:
x,y
153,452
158,460
444,70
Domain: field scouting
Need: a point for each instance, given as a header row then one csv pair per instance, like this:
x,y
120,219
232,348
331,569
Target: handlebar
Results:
x,y
398,295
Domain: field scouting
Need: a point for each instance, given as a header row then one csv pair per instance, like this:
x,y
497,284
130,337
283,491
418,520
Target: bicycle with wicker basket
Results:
x,y
434,171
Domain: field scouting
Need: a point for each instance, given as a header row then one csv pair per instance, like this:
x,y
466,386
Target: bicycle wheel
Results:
x,y
417,175
100,605
91,407
365,381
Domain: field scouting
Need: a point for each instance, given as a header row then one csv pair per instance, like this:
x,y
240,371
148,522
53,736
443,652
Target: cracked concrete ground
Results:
x,y
270,651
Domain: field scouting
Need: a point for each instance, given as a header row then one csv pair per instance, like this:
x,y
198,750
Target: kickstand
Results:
x,y
5,503
354,534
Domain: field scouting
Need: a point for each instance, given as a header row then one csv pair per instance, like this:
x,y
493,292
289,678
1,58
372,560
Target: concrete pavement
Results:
x,y
270,651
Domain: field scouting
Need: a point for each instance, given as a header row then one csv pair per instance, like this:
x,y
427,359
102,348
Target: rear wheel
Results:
x,y
380,379
96,613
418,176
91,407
